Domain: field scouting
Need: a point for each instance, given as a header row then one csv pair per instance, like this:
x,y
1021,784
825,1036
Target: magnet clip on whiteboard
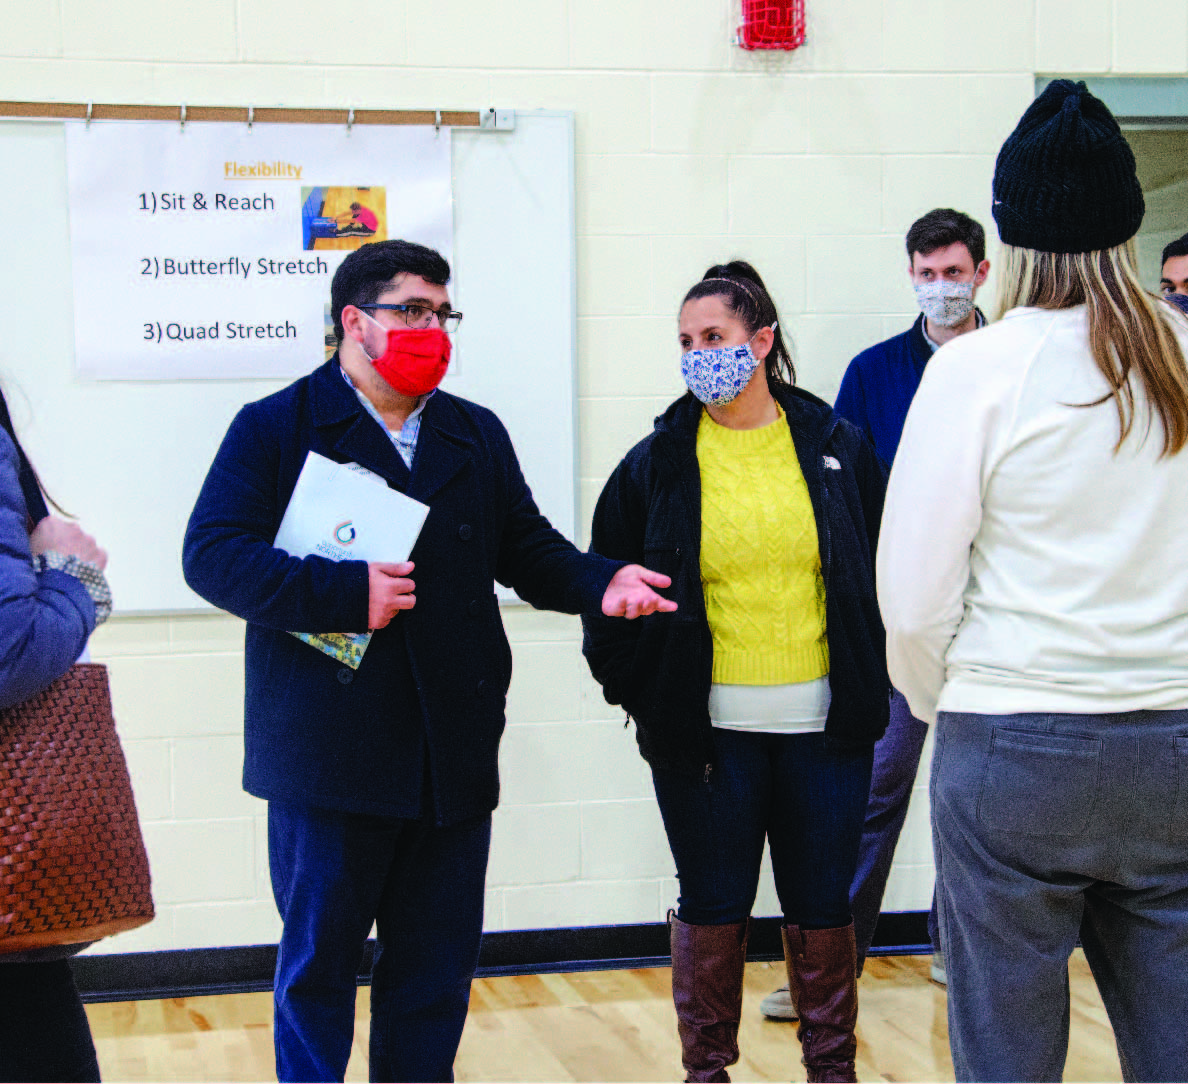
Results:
x,y
498,120
251,117
183,118
350,120
90,109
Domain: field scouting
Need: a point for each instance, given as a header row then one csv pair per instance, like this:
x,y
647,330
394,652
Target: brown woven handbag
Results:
x,y
73,867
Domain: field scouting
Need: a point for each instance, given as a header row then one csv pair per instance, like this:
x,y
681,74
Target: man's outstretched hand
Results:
x,y
630,594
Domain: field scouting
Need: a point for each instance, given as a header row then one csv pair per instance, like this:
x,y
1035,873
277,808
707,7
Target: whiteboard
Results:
x,y
128,458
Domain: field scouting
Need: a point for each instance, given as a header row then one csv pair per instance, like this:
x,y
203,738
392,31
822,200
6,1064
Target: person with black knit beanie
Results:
x,y
1065,179
1032,579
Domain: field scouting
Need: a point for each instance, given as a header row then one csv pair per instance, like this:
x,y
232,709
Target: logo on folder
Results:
x,y
344,533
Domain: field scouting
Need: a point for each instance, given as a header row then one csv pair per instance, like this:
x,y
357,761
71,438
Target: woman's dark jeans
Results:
x,y
808,803
44,1034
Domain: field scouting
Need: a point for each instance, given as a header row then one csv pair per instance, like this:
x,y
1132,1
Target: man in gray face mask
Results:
x,y
947,263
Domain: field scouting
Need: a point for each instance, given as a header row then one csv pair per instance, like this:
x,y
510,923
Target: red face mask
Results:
x,y
415,360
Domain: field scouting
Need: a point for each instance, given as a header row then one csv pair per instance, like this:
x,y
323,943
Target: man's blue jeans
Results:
x,y
807,803
333,875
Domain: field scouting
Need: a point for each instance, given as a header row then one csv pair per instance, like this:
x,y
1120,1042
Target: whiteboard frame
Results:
x,y
60,440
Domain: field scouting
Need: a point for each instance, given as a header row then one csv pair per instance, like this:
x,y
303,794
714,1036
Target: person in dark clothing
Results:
x,y
381,779
758,703
947,263
1173,272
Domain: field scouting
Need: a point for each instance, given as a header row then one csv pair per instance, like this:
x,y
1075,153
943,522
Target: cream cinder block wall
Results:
x,y
811,165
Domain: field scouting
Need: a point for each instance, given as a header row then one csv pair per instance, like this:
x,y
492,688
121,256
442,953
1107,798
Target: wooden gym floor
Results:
x,y
585,1026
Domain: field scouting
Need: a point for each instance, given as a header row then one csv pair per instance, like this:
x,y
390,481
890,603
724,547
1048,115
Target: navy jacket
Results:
x,y
47,616
880,384
414,732
659,667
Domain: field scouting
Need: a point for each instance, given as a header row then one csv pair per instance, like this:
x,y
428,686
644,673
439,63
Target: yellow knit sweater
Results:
x,y
760,562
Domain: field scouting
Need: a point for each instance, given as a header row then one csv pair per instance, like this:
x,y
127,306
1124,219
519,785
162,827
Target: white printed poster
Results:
x,y
206,252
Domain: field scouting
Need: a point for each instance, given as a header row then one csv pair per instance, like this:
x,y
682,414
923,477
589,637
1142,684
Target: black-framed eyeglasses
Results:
x,y
416,315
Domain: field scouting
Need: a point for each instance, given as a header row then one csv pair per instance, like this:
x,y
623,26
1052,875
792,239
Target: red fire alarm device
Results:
x,y
772,24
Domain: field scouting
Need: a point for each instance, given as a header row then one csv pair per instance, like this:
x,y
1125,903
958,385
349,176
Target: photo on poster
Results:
x,y
338,217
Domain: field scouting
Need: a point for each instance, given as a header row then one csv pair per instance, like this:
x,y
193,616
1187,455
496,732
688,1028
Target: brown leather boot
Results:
x,y
707,979
821,971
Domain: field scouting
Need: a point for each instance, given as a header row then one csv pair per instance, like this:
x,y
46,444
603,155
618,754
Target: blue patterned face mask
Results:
x,y
717,376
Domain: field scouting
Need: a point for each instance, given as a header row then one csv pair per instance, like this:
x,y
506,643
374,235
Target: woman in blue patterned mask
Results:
x,y
758,703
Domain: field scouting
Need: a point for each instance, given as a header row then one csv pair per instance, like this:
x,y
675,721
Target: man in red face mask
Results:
x,y
381,780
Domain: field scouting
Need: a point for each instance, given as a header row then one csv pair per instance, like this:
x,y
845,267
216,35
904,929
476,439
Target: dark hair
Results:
x,y
738,284
31,487
1179,247
942,228
370,269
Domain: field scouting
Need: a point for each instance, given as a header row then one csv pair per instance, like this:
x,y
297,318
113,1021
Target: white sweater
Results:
x,y
1023,566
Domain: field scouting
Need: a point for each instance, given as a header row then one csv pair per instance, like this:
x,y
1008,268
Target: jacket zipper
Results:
x,y
825,572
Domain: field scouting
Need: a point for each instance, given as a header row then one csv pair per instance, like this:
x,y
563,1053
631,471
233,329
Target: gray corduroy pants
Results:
x,y
1046,827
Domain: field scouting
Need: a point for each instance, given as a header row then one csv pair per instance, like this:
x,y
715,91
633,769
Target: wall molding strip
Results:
x,y
137,976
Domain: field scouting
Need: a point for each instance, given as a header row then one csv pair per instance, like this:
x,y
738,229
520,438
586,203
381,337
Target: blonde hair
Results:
x,y
1130,329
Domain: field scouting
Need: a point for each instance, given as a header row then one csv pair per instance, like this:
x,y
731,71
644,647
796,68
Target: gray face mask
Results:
x,y
945,303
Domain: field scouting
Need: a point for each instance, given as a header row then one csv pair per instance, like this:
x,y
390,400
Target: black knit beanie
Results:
x,y
1065,179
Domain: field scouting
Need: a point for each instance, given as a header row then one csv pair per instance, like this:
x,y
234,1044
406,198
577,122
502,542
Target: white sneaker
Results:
x,y
778,1005
937,969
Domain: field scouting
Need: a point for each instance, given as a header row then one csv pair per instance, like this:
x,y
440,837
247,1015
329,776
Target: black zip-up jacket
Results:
x,y
659,667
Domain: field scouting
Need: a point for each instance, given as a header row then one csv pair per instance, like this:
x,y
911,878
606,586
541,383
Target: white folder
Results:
x,y
343,513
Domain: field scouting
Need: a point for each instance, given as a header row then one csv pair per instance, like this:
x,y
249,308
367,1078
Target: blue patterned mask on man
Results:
x,y
717,376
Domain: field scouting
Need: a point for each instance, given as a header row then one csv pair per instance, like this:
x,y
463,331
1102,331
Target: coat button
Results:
x,y
345,675
473,608
465,531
